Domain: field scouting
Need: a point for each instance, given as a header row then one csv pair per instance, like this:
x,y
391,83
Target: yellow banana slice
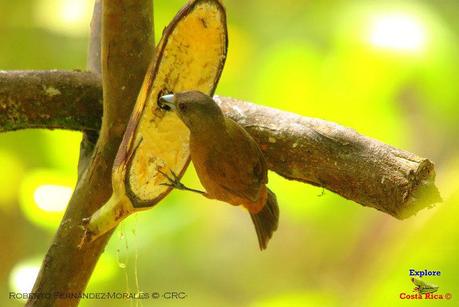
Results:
x,y
190,56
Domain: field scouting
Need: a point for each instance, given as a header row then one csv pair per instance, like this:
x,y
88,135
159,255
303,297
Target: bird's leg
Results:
x,y
175,183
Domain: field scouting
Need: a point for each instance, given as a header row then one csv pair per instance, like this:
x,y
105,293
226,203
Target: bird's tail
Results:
x,y
266,220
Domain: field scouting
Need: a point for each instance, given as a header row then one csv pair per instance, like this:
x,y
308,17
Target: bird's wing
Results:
x,y
261,172
241,168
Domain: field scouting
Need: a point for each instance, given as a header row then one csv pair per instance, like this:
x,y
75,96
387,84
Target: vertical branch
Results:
x,y
94,57
127,49
125,58
94,49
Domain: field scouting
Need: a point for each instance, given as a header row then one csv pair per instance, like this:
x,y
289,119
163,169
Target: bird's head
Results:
x,y
195,109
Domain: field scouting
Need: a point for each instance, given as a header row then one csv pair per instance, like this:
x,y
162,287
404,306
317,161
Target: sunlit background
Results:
x,y
389,69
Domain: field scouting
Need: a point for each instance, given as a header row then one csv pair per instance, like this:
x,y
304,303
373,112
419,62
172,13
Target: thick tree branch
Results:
x,y
49,99
318,152
94,65
339,159
95,39
127,48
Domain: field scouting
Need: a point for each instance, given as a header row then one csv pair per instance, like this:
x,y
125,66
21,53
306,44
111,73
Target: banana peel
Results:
x,y
190,56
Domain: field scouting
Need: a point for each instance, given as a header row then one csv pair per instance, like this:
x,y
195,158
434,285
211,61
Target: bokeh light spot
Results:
x,y
69,17
23,276
398,32
52,198
44,195
72,11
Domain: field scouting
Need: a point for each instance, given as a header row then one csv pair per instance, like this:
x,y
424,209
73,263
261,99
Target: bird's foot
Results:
x,y
174,182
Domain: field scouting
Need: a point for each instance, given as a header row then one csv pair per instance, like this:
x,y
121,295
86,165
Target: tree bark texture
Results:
x,y
127,48
300,148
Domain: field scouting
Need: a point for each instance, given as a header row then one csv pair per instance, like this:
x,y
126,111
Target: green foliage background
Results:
x,y
314,58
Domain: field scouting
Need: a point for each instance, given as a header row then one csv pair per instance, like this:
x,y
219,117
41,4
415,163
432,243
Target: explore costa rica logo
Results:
x,y
424,289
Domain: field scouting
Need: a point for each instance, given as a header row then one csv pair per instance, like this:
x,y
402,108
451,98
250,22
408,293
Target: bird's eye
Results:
x,y
182,106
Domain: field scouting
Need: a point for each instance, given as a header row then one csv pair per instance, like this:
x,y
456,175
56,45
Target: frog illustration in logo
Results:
x,y
423,287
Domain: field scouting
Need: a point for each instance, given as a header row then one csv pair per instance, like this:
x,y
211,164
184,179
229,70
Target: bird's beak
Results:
x,y
167,102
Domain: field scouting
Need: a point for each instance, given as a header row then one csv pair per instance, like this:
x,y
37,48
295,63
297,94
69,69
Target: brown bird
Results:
x,y
228,161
